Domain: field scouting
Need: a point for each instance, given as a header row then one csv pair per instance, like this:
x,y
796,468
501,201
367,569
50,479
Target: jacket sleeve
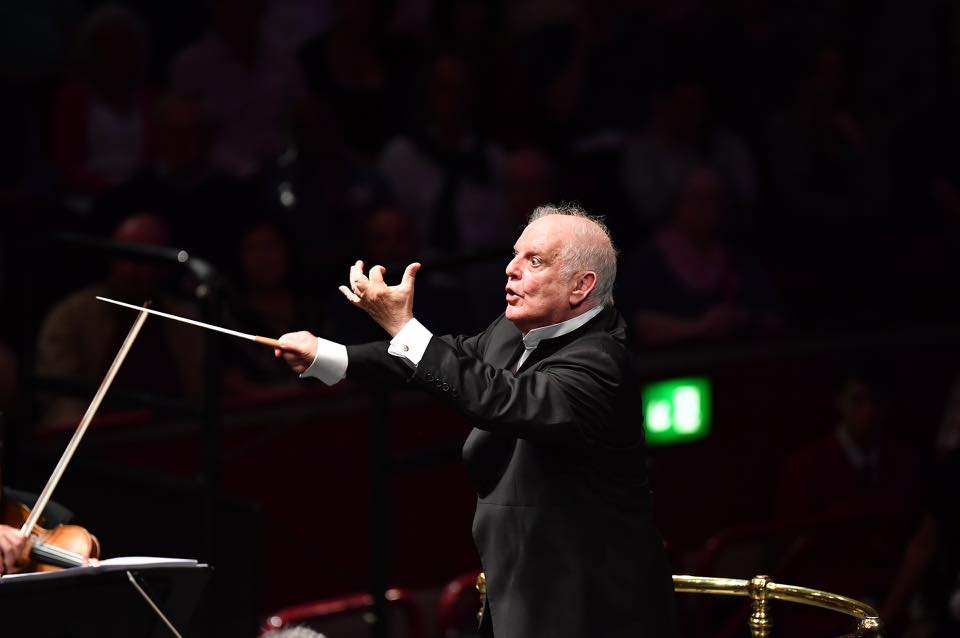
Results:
x,y
570,401
371,363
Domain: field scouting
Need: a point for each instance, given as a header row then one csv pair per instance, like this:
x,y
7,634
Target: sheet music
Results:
x,y
120,563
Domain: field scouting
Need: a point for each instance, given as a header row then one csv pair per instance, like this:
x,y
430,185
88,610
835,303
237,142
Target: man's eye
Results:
x,y
536,261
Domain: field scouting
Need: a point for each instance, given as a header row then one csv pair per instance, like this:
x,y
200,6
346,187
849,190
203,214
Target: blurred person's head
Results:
x,y
139,280
389,236
185,135
448,95
266,257
113,49
859,407
238,22
529,180
701,207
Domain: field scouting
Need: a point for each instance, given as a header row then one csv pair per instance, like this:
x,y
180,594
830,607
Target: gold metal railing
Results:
x,y
761,591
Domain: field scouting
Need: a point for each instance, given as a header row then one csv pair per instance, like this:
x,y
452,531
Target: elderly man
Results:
x,y
563,521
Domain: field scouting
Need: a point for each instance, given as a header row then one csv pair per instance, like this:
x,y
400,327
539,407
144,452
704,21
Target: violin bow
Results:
x,y
51,485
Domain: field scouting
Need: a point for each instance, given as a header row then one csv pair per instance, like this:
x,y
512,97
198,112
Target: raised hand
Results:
x,y
390,306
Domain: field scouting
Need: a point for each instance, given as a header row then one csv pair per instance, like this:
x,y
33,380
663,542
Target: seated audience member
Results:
x,y
81,336
389,239
856,468
181,185
447,178
247,87
101,127
265,303
848,494
683,134
690,283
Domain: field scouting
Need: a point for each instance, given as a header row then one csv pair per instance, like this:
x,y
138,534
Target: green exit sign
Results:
x,y
676,411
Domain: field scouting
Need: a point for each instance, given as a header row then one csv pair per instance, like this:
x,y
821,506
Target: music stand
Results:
x,y
101,601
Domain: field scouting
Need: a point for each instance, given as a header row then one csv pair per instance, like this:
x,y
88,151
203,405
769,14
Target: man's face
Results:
x,y
537,293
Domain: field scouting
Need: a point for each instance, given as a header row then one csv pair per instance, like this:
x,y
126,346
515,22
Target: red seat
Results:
x,y
458,606
330,608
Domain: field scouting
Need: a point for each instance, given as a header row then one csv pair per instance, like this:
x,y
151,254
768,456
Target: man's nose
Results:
x,y
512,271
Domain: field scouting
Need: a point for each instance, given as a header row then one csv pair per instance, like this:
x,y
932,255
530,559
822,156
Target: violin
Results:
x,y
49,550
64,545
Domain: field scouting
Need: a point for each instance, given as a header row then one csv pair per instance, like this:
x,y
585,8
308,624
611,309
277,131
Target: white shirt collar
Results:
x,y
533,338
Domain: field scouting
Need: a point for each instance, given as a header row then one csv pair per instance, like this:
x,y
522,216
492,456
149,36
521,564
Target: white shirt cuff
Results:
x,y
330,364
411,342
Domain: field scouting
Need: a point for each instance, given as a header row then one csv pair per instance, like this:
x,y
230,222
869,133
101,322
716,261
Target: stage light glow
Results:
x,y
677,411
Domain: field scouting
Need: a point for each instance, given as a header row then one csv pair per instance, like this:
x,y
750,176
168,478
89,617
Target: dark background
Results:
x,y
781,179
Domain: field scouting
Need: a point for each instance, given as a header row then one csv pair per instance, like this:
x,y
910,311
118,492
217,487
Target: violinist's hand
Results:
x,y
299,350
11,547
389,306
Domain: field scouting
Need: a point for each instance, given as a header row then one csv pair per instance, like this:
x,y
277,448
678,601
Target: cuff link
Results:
x,y
406,348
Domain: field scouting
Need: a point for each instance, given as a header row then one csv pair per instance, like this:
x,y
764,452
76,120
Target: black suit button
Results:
x,y
429,376
445,387
439,383
454,394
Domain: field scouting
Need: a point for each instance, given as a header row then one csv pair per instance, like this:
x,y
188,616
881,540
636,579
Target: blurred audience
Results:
x,y
266,303
81,336
198,203
357,67
858,468
830,168
444,175
529,180
594,73
683,133
690,283
101,125
924,598
246,86
318,185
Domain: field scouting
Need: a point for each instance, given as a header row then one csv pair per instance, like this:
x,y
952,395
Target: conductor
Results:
x,y
563,521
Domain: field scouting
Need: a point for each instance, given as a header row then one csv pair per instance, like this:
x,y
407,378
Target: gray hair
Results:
x,y
591,250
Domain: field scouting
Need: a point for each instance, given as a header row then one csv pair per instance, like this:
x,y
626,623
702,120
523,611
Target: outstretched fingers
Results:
x,y
376,275
349,294
410,274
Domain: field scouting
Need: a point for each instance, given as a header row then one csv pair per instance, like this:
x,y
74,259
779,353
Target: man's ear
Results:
x,y
583,284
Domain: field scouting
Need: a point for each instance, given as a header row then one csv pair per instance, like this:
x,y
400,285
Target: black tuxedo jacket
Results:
x,y
563,521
